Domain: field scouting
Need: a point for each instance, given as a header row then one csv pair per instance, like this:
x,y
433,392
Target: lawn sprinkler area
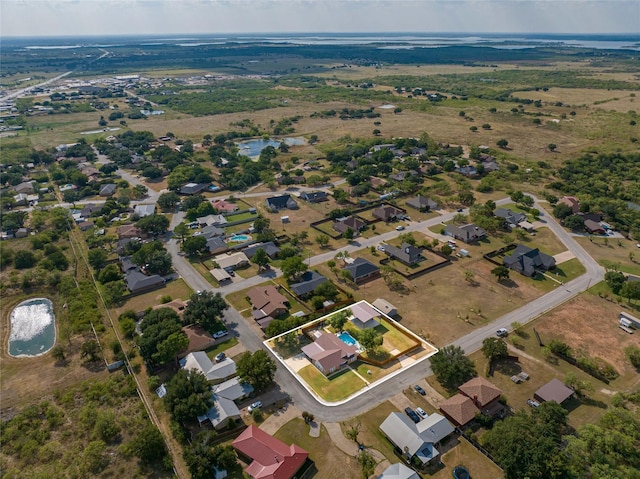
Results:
x,y
329,360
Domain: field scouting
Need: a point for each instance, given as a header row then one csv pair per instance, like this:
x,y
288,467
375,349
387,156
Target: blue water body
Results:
x,y
252,148
346,338
240,238
33,330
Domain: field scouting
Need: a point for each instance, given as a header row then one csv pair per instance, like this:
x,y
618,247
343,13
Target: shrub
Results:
x,y
256,414
560,348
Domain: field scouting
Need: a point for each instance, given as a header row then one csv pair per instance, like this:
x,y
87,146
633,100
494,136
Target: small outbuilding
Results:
x,y
385,306
554,390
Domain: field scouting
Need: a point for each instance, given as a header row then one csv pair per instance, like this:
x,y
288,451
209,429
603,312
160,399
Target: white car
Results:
x,y
220,334
421,412
399,228
255,405
502,332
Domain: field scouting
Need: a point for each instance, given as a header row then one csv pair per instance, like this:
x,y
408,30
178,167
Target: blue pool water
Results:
x,y
33,330
240,238
347,339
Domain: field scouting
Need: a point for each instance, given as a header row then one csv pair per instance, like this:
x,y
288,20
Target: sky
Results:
x,y
30,18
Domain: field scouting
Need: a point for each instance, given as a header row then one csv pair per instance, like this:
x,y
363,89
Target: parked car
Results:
x,y
220,334
460,210
399,228
419,390
220,357
502,332
380,247
255,405
533,403
412,414
421,412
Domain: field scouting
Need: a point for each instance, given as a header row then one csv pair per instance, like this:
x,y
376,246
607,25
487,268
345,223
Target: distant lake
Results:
x,y
33,330
252,148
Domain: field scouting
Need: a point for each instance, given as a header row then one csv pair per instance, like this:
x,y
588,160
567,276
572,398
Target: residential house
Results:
x,y
385,306
21,199
212,220
364,316
277,203
407,253
554,390
268,300
232,261
490,166
475,396
216,245
417,441
511,218
572,202
224,206
26,187
221,276
211,231
129,231
178,305
388,213
527,261
86,225
328,353
467,233
314,196
233,389
199,338
221,412
138,282
398,471
270,457
362,270
467,170
422,204
307,283
21,233
270,248
193,188
107,190
402,175
377,183
89,209
343,224
593,227
144,210
214,372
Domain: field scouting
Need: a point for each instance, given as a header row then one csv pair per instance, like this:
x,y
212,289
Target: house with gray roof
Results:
x,y
193,188
211,231
388,213
145,210
212,220
233,389
419,441
527,261
407,253
269,247
314,196
282,202
216,245
220,413
138,282
107,190
468,233
308,282
343,224
422,203
25,187
398,471
510,217
362,270
215,373
364,316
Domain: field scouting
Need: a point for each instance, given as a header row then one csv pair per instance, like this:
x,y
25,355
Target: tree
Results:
x,y
113,292
486,126
153,224
367,463
23,259
97,258
494,348
293,267
353,432
90,349
261,258
446,249
182,232
562,211
502,143
574,222
170,347
466,198
257,369
376,132
501,272
202,456
370,339
322,240
188,395
205,309
630,290
339,319
633,355
59,353
552,146
469,275
157,327
194,245
148,444
348,234
307,417
451,367
615,280
168,201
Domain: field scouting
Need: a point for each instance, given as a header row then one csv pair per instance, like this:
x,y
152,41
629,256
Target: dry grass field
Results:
x,y
614,253
618,100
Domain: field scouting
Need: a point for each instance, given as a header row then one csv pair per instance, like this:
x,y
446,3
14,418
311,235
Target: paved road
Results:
x,y
470,342
23,91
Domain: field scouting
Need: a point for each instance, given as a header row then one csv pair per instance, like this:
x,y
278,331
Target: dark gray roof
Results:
x,y
314,196
308,282
137,281
281,202
420,202
352,222
467,233
270,248
407,253
526,260
510,216
361,268
127,264
211,231
193,188
215,244
108,189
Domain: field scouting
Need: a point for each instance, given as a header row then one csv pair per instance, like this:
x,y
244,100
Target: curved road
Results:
x,y
470,342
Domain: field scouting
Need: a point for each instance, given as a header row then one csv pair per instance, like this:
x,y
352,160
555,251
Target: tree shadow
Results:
x,y
509,283
508,367
94,366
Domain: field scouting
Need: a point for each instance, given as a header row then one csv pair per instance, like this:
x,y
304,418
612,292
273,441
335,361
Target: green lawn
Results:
x,y
241,216
393,338
337,387
218,348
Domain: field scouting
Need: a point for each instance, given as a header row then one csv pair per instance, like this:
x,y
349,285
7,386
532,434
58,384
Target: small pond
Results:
x,y
33,329
252,148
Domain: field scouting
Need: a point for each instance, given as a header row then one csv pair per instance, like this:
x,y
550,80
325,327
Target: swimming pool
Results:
x,y
347,339
240,238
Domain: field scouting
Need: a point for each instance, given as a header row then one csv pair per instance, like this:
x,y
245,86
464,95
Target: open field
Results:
x,y
618,100
176,289
330,461
614,254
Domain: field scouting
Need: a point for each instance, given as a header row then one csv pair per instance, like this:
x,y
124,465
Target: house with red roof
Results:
x,y
225,206
271,458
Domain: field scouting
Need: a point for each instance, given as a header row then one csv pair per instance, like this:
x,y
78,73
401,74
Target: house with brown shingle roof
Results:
x,y
328,353
572,202
268,300
387,213
475,396
130,231
459,409
480,391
